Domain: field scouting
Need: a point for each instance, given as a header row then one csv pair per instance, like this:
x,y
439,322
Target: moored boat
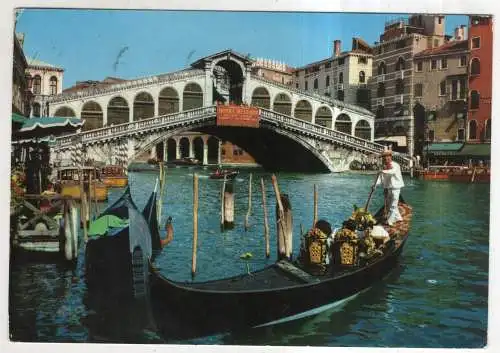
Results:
x,y
114,176
120,247
69,183
280,292
184,161
224,173
471,175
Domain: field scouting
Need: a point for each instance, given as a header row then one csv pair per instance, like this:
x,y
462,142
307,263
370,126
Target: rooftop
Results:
x,y
453,46
40,63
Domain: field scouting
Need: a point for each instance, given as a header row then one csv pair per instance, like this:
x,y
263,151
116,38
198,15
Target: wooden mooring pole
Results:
x,y
229,206
249,211
283,222
195,223
222,204
315,213
266,224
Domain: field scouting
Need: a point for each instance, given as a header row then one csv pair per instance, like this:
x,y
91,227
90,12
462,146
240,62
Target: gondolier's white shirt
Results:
x,y
391,178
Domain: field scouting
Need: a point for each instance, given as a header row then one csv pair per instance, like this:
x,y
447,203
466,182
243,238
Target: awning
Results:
x,y
399,140
50,122
444,149
18,118
476,150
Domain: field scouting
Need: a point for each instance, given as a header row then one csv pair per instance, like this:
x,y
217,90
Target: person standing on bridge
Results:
x,y
392,180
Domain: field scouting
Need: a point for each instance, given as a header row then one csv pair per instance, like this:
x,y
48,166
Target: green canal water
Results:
x,y
436,297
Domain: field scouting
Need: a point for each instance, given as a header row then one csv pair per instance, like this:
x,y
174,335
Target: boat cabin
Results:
x,y
113,171
67,175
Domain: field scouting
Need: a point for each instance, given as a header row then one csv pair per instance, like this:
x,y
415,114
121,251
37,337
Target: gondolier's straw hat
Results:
x,y
386,152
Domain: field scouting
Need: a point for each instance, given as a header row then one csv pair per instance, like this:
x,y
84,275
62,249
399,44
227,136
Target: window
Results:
x,y
463,60
296,85
462,88
474,99
380,112
400,44
327,81
454,89
442,88
430,135
400,65
361,77
362,60
36,110
419,66
400,86
433,64
429,43
341,61
53,85
328,65
341,77
418,90
340,95
487,132
382,69
472,130
29,81
475,67
315,84
398,109
37,85
461,135
381,90
444,63
305,85
440,20
436,42
476,42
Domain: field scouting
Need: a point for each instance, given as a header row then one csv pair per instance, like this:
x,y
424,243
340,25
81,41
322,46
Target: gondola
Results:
x,y
280,292
120,246
227,173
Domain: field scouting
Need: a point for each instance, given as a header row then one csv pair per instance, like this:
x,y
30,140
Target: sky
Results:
x,y
94,44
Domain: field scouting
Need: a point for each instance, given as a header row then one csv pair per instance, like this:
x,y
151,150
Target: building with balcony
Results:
x,y
440,93
44,80
343,76
391,84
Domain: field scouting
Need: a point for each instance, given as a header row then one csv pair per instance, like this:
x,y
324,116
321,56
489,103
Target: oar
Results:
x,y
371,191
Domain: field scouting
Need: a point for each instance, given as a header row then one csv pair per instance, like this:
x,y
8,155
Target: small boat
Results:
x,y
114,176
471,175
221,173
120,246
280,292
185,161
69,183
437,172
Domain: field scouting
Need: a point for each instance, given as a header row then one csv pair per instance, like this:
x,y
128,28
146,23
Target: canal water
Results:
x,y
436,297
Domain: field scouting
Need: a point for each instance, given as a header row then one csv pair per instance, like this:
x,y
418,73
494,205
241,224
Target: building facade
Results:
x,y
21,96
273,70
343,76
480,79
392,81
44,80
440,93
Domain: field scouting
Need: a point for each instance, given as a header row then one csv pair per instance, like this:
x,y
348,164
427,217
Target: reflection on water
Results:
x,y
437,297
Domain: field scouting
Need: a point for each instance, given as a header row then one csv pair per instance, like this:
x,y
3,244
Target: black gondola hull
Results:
x,y
200,312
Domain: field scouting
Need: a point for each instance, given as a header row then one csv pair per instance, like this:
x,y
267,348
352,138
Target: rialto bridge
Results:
x,y
291,129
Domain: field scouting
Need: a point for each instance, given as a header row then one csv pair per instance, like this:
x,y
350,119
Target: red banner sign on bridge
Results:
x,y
236,115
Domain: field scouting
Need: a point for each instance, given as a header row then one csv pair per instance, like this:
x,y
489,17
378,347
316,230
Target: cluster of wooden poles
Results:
x,y
284,219
89,208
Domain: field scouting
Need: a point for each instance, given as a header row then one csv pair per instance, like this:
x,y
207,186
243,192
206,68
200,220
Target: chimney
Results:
x,y
336,48
458,33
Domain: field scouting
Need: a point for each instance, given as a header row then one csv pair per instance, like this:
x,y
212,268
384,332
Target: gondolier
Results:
x,y
392,180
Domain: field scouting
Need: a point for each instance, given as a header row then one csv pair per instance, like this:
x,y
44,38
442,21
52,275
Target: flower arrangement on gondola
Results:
x,y
17,187
360,221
